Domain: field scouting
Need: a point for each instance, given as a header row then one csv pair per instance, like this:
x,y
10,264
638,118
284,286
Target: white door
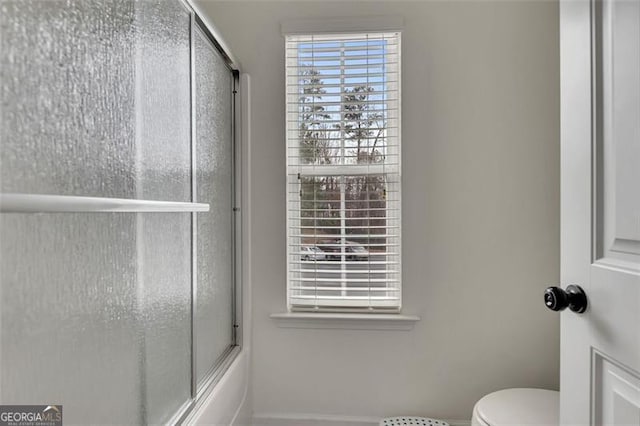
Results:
x,y
600,96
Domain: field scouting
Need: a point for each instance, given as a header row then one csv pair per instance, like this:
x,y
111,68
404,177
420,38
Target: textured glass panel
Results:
x,y
163,132
69,332
214,186
95,308
95,316
163,98
67,77
95,98
164,295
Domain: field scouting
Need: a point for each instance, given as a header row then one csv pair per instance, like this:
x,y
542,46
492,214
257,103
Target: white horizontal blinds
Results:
x,y
343,166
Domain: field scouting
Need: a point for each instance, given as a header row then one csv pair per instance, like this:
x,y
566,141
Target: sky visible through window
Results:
x,y
335,76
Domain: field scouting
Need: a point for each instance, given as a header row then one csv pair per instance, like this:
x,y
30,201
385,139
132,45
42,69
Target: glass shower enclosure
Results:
x,y
118,211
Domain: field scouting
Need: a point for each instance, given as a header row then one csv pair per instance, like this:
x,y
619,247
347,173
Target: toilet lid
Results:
x,y
519,407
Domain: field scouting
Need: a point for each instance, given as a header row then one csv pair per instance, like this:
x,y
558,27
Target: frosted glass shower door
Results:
x,y
214,185
95,308
84,323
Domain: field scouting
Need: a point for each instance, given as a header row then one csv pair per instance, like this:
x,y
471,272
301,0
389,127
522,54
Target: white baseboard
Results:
x,y
305,419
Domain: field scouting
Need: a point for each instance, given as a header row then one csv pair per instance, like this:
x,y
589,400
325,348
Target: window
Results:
x,y
343,171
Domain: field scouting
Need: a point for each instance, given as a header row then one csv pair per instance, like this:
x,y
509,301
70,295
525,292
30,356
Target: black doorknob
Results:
x,y
558,299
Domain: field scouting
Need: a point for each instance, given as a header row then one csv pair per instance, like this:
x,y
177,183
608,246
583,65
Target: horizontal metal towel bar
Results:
x,y
39,203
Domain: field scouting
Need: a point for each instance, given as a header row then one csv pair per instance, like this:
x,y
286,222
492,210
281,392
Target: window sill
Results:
x,y
346,321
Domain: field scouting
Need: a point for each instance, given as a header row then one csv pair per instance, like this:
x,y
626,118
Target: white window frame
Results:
x,y
362,26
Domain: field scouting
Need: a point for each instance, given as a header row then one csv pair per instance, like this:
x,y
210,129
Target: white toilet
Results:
x,y
522,406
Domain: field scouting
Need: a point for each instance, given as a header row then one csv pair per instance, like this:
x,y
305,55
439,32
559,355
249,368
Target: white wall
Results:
x,y
481,213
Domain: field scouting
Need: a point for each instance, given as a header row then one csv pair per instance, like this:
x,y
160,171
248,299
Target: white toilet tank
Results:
x,y
521,406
